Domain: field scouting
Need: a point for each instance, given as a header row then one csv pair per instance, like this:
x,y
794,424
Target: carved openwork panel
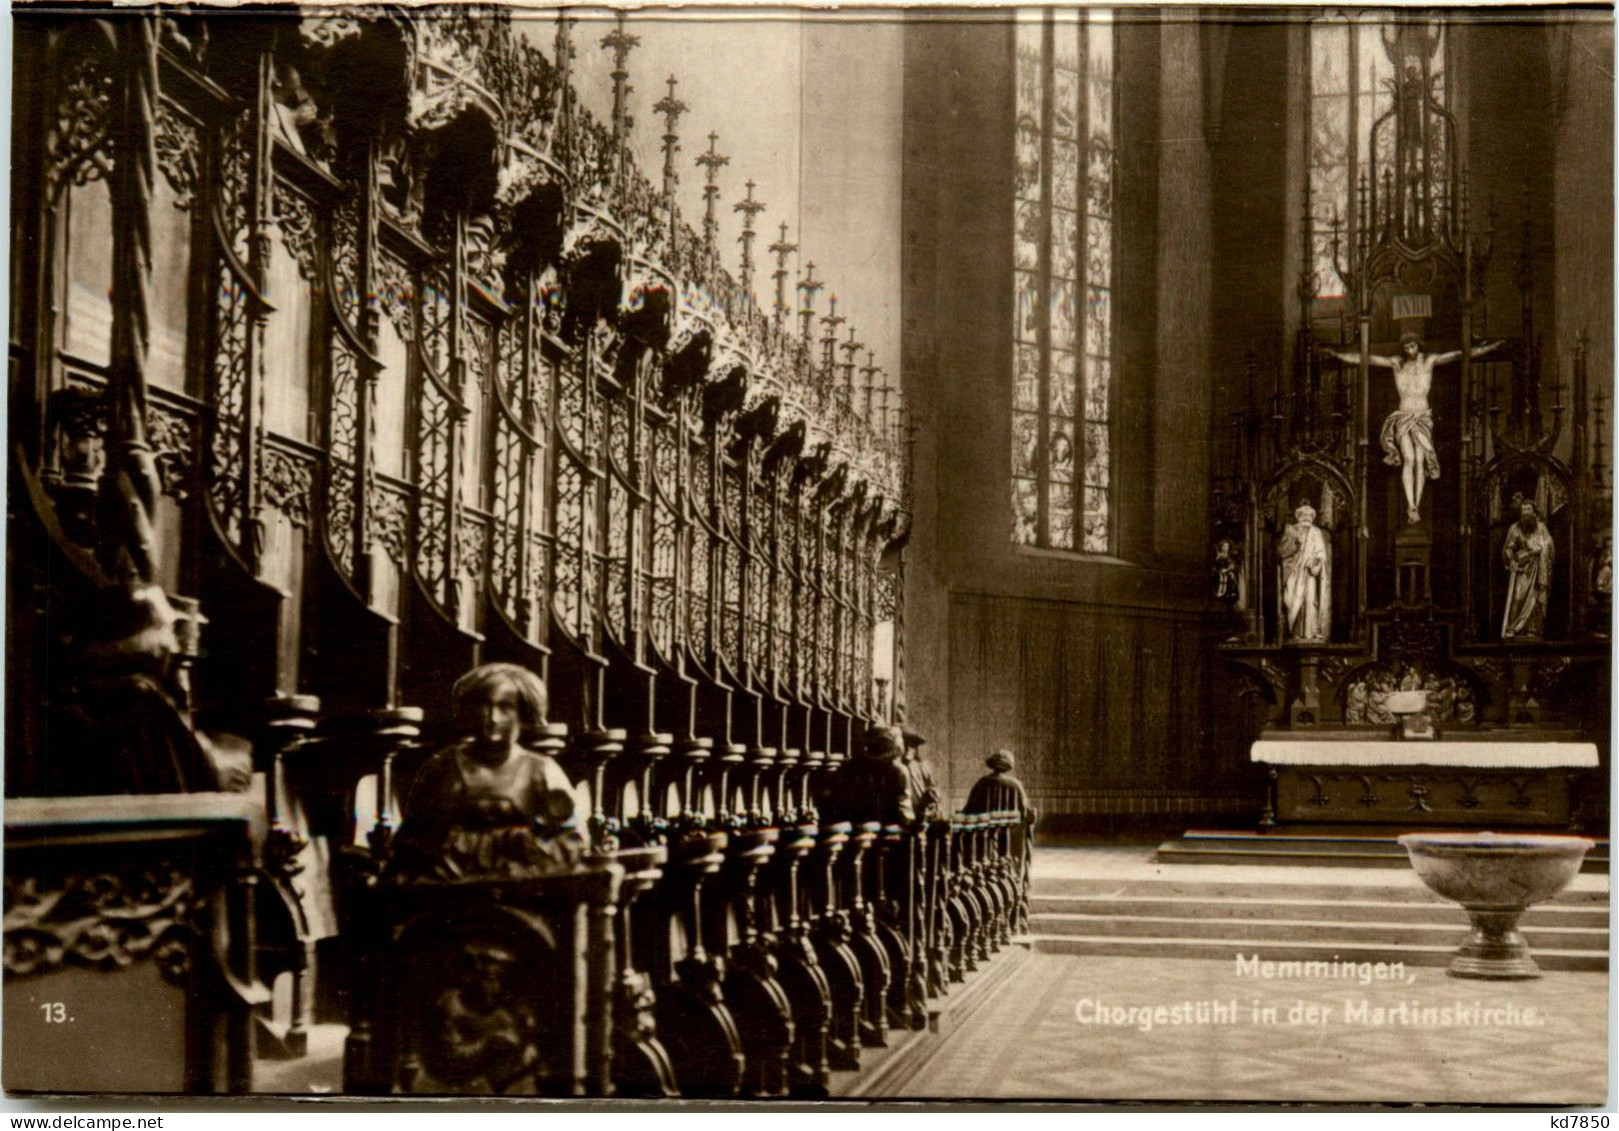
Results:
x,y
578,489
826,581
77,143
235,326
849,615
623,514
701,545
667,599
760,539
177,142
232,390
515,462
732,561
789,581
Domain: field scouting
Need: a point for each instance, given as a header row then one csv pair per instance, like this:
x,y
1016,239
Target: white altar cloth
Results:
x,y
1472,755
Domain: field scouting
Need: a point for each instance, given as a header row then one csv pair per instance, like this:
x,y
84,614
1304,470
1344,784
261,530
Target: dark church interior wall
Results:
x,y
1095,670
1580,62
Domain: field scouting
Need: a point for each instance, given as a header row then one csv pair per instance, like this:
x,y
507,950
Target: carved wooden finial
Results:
x,y
749,209
621,43
781,249
671,108
712,162
810,286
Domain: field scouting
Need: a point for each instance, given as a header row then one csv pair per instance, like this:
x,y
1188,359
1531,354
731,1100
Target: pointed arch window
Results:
x,y
1352,73
1063,254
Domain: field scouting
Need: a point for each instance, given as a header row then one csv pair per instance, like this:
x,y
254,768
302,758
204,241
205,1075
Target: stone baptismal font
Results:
x,y
1496,878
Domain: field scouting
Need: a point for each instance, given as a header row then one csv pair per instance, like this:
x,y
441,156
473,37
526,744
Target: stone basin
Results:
x,y
1495,877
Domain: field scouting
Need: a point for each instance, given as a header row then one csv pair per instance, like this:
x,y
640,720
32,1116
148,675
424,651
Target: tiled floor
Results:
x,y
1029,1043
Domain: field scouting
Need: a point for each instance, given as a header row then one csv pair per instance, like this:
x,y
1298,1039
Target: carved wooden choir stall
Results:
x,y
1411,521
351,355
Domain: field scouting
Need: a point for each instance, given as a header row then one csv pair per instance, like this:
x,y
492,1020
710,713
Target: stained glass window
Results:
x,y
1352,74
1063,279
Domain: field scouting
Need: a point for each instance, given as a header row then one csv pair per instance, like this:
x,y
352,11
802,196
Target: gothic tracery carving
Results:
x,y
177,144
288,485
77,150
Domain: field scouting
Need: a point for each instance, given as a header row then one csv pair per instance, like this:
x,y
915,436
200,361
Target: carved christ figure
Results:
x,y
1407,435
1306,577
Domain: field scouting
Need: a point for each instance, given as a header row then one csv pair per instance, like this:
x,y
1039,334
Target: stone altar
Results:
x,y
1490,779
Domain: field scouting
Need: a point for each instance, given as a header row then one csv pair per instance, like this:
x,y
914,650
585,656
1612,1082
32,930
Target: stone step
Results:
x,y
1322,931
1585,891
1178,853
1379,841
1592,915
1223,950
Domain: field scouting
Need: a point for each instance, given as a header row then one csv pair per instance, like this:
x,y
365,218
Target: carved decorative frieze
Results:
x,y
77,149
289,485
472,545
176,142
388,518
295,217
172,436
101,920
1334,668
1443,796
1548,673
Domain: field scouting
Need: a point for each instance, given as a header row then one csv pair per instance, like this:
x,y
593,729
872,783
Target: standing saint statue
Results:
x,y
1407,435
1528,553
1306,577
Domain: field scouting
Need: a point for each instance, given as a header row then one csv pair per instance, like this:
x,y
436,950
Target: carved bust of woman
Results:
x,y
488,805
